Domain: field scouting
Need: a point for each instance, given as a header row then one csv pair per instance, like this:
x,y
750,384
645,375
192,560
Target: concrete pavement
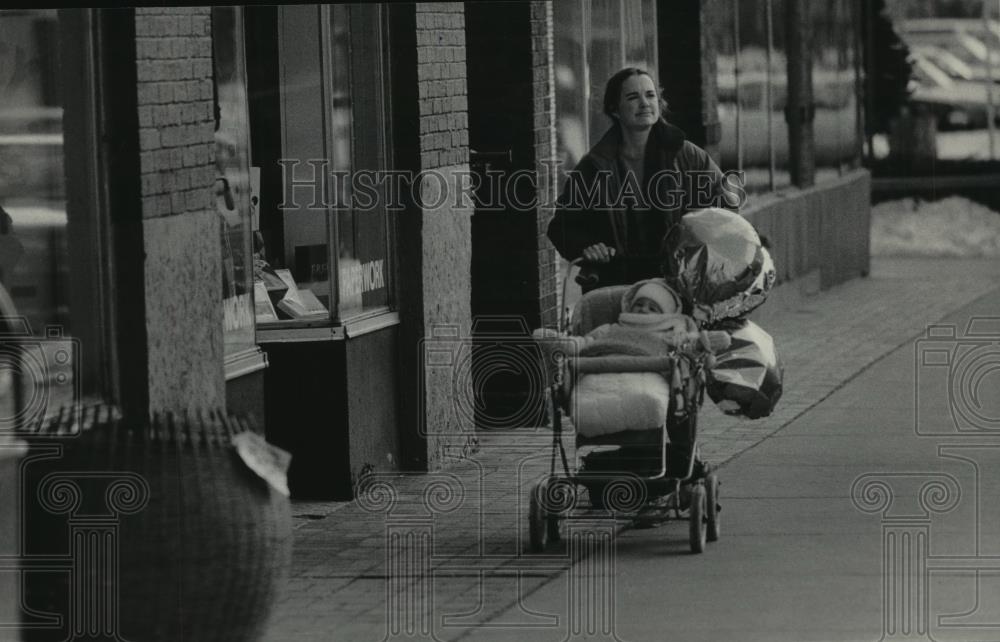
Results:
x,y
351,579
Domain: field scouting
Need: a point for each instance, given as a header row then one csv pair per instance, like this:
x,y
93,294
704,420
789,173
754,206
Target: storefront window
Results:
x,y
723,29
324,247
834,88
363,227
593,40
47,248
33,265
572,84
639,22
778,79
605,56
232,187
297,247
762,92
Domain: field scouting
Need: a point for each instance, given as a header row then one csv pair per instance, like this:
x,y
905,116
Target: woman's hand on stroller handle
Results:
x,y
593,272
597,253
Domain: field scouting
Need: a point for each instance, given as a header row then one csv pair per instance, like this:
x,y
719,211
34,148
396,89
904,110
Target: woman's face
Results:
x,y
638,105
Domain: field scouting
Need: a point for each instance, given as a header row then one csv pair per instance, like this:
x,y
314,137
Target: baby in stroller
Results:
x,y
641,320
650,324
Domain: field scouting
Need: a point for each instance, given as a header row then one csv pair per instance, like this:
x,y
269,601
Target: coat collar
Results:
x,y
667,137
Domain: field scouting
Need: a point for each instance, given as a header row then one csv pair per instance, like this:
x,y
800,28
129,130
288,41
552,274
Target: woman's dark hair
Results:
x,y
613,90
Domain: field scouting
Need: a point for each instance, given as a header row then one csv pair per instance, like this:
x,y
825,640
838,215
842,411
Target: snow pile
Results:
x,y
951,227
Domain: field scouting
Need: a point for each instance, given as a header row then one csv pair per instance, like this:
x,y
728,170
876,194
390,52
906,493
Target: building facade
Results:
x,y
288,211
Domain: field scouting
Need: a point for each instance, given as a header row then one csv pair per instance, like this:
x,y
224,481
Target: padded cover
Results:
x,y
602,404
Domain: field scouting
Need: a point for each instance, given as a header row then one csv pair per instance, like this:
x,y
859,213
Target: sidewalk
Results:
x,y
472,516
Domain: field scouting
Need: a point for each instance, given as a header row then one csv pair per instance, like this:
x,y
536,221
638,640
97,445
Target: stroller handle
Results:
x,y
618,363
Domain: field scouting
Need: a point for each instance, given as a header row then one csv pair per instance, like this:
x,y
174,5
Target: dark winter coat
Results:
x,y
598,204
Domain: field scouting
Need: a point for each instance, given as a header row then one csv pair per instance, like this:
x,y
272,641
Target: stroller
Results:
x,y
636,428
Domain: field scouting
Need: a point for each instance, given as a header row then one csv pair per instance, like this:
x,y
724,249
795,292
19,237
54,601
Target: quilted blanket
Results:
x,y
602,404
607,403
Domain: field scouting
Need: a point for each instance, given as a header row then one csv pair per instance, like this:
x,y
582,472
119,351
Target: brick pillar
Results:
x,y
182,268
446,227
543,75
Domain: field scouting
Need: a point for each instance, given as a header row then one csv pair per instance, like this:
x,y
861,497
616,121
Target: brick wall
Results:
x,y
446,230
542,43
444,118
181,231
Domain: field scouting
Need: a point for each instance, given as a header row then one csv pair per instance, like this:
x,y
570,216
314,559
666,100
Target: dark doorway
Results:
x,y
506,370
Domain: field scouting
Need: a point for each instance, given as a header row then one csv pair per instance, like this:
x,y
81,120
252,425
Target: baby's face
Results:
x,y
644,305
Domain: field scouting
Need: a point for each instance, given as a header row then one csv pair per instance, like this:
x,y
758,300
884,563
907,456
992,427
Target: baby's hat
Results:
x,y
655,290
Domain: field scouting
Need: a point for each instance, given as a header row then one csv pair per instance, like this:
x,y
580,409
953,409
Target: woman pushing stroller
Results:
x,y
644,204
628,191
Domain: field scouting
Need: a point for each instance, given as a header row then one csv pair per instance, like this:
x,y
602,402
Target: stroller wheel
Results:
x,y
543,526
696,524
712,502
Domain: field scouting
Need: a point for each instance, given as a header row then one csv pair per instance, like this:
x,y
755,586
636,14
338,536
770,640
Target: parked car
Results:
x,y
956,104
969,41
955,67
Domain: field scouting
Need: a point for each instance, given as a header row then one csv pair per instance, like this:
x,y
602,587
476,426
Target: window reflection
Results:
x,y
33,264
232,160
572,84
605,56
363,228
722,25
39,374
834,86
593,40
760,96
